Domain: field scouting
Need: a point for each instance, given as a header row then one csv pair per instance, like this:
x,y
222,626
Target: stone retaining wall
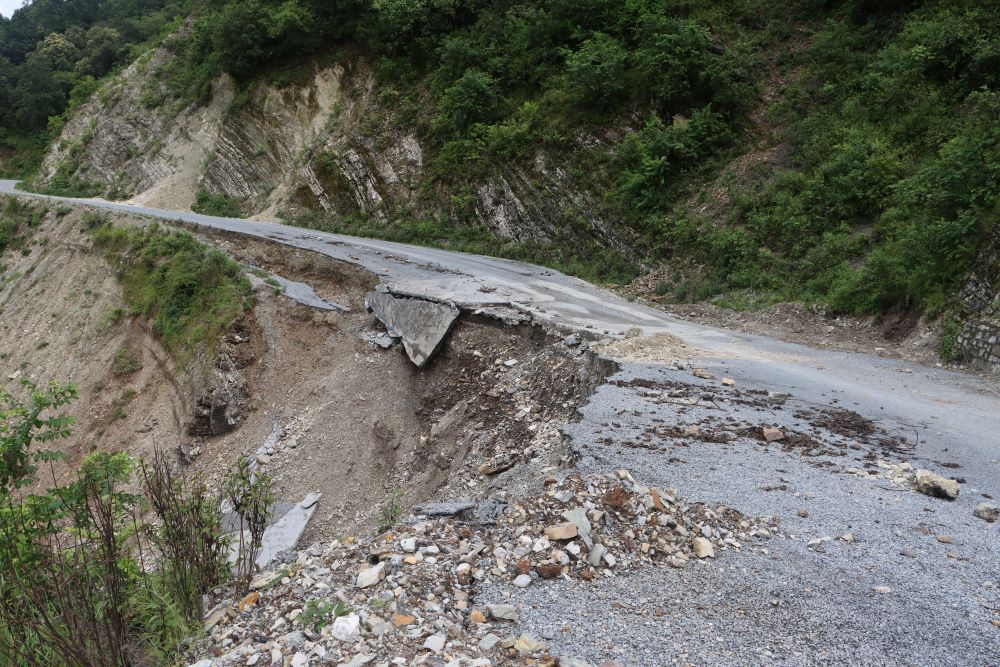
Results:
x,y
979,341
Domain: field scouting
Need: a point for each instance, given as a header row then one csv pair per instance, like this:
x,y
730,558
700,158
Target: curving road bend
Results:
x,y
892,594
956,414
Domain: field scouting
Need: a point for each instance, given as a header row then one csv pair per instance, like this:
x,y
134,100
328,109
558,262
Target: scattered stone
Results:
x,y
728,382
944,539
502,612
932,484
250,600
371,576
772,434
777,397
216,616
549,570
346,628
987,512
496,467
414,605
578,517
402,620
435,642
704,375
883,590
526,644
562,531
450,508
804,513
380,339
703,548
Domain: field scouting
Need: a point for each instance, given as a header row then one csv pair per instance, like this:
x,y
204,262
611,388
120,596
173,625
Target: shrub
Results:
x,y
126,362
219,205
84,579
191,293
250,497
189,540
317,614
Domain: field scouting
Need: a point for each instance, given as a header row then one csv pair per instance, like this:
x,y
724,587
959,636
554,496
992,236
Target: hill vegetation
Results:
x,y
877,122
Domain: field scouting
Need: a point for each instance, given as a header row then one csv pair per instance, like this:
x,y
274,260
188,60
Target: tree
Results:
x,y
597,71
23,422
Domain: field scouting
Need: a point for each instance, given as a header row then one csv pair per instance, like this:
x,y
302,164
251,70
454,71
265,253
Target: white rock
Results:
x,y
409,544
522,581
435,642
594,558
300,659
987,512
371,576
346,628
703,548
932,484
502,612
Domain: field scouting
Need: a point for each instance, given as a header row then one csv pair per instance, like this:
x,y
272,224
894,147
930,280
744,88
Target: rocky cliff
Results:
x,y
328,145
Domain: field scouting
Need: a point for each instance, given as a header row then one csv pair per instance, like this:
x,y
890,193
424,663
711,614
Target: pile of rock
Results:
x,y
407,596
596,526
403,598
922,481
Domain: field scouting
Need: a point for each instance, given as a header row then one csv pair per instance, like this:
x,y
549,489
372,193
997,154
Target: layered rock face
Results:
x,y
326,146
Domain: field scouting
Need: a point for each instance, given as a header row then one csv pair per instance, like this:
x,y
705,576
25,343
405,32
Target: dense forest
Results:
x,y
884,117
53,53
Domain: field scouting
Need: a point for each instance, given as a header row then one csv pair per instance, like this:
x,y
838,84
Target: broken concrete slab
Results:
x,y
231,520
447,508
283,534
298,292
421,325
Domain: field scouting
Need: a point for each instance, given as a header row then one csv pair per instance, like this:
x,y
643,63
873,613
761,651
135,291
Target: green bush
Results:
x,y
17,219
85,581
219,205
126,362
190,292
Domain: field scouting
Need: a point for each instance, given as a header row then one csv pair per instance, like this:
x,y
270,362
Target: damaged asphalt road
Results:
x,y
957,416
866,571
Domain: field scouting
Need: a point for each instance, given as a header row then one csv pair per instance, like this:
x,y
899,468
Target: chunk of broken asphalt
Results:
x,y
421,325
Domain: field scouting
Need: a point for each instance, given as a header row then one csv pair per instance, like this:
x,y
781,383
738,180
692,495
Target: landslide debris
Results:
x,y
408,596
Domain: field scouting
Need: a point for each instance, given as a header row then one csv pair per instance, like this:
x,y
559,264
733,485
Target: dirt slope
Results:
x,y
63,318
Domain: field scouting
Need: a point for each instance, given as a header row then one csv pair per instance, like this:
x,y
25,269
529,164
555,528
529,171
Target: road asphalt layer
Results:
x,y
800,603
